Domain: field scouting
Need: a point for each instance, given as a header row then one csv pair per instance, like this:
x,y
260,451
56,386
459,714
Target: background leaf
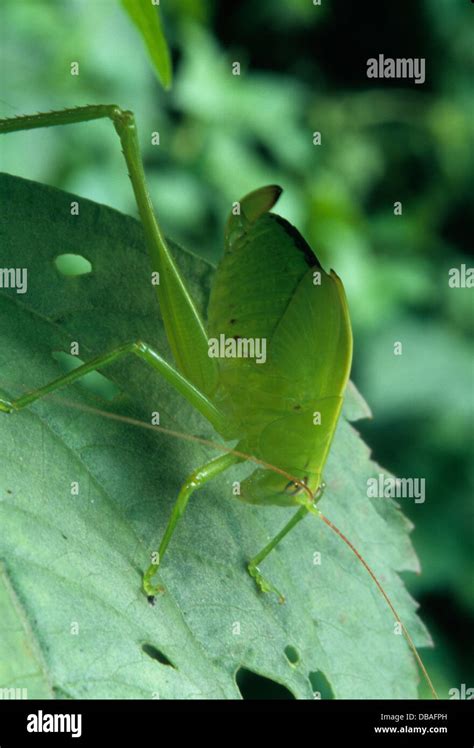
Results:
x,y
147,19
382,142
76,561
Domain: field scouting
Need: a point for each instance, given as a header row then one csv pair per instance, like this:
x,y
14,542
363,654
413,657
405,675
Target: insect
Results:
x,y
270,294
269,287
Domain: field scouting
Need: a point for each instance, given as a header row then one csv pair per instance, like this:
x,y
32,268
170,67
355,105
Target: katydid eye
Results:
x,y
294,487
320,491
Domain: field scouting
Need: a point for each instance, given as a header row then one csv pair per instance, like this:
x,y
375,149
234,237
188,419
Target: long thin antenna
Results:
x,y
386,597
186,437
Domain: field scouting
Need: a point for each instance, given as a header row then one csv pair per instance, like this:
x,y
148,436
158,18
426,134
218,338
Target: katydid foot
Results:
x,y
151,590
262,583
6,406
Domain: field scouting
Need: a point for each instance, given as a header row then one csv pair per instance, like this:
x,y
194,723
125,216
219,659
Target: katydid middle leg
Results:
x,y
143,351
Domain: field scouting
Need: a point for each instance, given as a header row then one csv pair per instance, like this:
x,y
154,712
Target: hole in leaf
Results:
x,y
292,654
69,264
253,686
61,694
93,382
155,654
320,685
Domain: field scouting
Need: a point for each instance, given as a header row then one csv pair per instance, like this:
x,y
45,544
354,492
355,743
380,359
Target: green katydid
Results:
x,y
269,286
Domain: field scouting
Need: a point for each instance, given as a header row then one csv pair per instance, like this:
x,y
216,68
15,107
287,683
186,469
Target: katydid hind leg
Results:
x,y
183,324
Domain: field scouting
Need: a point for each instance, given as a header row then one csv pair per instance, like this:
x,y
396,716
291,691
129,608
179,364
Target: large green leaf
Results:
x,y
146,18
26,666
74,562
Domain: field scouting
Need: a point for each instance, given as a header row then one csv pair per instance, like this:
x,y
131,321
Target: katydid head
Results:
x,y
267,487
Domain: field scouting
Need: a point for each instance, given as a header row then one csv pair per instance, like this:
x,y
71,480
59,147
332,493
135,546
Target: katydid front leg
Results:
x,y
193,482
253,566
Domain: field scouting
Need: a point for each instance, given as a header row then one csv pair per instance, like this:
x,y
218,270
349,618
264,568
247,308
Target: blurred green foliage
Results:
x,y
302,71
146,17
